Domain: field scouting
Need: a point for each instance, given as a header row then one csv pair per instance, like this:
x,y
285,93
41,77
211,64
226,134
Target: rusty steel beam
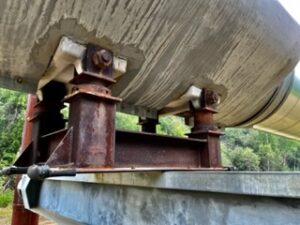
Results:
x,y
92,111
132,150
47,118
91,143
135,149
41,118
20,215
205,128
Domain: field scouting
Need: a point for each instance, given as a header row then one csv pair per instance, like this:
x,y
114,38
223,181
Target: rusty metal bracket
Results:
x,y
90,142
205,128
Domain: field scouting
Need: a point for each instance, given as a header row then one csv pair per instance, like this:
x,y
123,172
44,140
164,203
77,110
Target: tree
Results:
x,y
172,125
127,122
241,137
12,107
225,155
245,159
270,158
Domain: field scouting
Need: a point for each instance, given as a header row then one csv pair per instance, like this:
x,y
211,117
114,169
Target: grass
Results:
x,y
6,198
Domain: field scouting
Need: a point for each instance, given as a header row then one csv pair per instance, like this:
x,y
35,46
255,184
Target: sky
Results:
x,y
293,7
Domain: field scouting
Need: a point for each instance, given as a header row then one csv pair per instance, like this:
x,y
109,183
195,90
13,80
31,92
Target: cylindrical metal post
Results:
x,y
20,215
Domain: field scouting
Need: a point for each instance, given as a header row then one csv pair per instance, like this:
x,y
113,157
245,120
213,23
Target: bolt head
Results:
x,y
102,58
212,98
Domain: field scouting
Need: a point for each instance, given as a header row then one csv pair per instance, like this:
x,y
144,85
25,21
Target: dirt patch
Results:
x,y
5,217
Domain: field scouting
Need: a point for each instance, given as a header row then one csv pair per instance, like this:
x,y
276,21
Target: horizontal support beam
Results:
x,y
229,198
138,149
132,150
273,184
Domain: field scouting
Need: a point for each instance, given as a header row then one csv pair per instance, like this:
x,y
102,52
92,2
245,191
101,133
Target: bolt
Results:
x,y
102,58
19,80
212,98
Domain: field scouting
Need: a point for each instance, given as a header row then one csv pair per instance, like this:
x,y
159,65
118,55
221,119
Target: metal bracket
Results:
x,y
182,104
67,59
90,142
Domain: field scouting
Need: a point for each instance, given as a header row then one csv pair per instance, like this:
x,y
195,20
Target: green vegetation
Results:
x,y
169,125
6,198
12,107
249,149
245,149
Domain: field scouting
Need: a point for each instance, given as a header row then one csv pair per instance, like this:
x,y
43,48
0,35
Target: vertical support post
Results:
x,y
148,124
41,118
47,118
92,120
20,215
205,128
92,111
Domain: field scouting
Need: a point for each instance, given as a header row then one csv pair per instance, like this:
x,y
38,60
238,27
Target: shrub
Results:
x,y
245,159
6,198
